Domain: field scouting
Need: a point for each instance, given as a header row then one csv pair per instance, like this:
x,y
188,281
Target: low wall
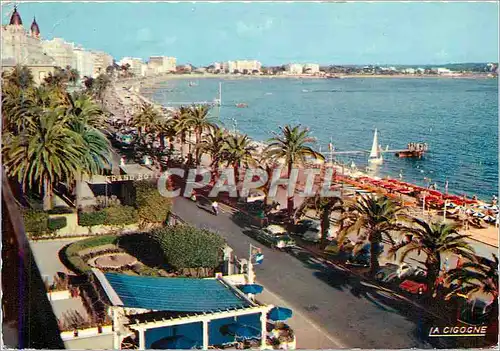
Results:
x,y
73,228
85,333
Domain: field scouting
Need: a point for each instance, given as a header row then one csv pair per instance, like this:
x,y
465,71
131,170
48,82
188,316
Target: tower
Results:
x,y
35,30
15,19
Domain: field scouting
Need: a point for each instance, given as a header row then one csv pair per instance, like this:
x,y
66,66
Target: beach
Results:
x,y
131,98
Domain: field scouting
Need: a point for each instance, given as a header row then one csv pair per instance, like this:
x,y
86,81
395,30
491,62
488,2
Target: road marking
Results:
x,y
338,343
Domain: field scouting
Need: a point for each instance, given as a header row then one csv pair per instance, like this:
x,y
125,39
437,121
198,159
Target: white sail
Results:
x,y
374,153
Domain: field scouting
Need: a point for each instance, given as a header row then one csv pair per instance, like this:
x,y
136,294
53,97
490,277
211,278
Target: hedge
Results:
x,y
89,219
35,222
76,263
56,223
120,215
152,207
185,246
60,210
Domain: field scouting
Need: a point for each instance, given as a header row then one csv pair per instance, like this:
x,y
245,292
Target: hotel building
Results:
x,y
294,68
161,64
101,61
20,47
242,66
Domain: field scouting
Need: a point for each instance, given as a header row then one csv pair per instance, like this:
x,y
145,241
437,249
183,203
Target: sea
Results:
x,y
457,118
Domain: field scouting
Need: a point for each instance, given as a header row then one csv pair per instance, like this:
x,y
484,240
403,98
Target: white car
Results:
x,y
276,236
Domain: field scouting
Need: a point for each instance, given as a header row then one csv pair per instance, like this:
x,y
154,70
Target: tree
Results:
x,y
377,216
187,248
324,207
198,119
20,77
146,120
182,128
213,145
479,275
434,240
73,75
292,146
47,152
238,151
100,85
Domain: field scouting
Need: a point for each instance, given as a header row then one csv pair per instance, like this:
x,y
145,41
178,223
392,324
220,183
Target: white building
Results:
x,y
294,68
242,66
409,71
134,63
84,62
20,47
61,52
311,68
443,71
101,61
162,64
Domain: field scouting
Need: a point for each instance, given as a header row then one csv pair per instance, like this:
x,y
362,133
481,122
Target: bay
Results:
x,y
457,118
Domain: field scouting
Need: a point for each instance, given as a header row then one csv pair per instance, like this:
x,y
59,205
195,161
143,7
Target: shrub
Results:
x,y
35,222
89,219
185,246
76,263
56,223
120,215
152,207
60,210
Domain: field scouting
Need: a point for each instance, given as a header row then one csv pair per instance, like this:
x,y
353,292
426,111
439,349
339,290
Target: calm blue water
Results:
x,y
458,118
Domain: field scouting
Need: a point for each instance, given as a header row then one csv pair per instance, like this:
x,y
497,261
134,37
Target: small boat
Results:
x,y
305,90
192,84
375,157
416,150
241,104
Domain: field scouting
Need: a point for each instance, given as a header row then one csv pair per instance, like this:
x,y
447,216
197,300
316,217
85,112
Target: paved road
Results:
x,y
354,313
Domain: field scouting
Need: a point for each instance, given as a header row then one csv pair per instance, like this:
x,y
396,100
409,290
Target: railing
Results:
x,y
28,318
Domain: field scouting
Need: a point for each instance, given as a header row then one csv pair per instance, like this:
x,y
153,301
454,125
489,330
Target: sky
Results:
x,y
277,33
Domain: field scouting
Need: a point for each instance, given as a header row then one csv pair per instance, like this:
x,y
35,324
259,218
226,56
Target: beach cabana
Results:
x,y
170,311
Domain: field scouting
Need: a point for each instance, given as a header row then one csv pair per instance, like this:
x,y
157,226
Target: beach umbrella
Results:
x,y
279,314
175,342
241,331
251,288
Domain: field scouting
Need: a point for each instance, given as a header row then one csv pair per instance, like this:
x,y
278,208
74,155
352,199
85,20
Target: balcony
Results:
x,y
28,319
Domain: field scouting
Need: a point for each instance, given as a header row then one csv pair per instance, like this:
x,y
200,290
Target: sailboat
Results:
x,y
375,157
218,100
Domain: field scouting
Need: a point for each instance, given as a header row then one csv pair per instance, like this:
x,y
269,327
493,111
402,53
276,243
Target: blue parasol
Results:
x,y
251,288
241,331
175,342
279,314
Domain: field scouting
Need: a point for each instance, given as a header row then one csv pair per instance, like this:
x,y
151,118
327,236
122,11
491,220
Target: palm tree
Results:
x,y
434,240
238,151
56,79
45,153
180,125
479,275
292,146
213,145
197,119
146,120
377,215
83,109
73,75
100,85
20,76
324,206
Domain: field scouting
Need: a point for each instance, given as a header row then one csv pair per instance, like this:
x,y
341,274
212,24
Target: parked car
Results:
x,y
310,230
360,255
334,248
275,236
393,273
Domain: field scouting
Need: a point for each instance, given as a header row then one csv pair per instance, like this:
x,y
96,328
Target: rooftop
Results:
x,y
174,294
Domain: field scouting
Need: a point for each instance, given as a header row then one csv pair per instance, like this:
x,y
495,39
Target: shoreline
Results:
x,y
486,236
137,86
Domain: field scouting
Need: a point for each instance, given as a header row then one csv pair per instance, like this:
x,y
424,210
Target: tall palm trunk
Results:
x,y
290,203
433,268
198,140
375,240
47,195
325,224
162,141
